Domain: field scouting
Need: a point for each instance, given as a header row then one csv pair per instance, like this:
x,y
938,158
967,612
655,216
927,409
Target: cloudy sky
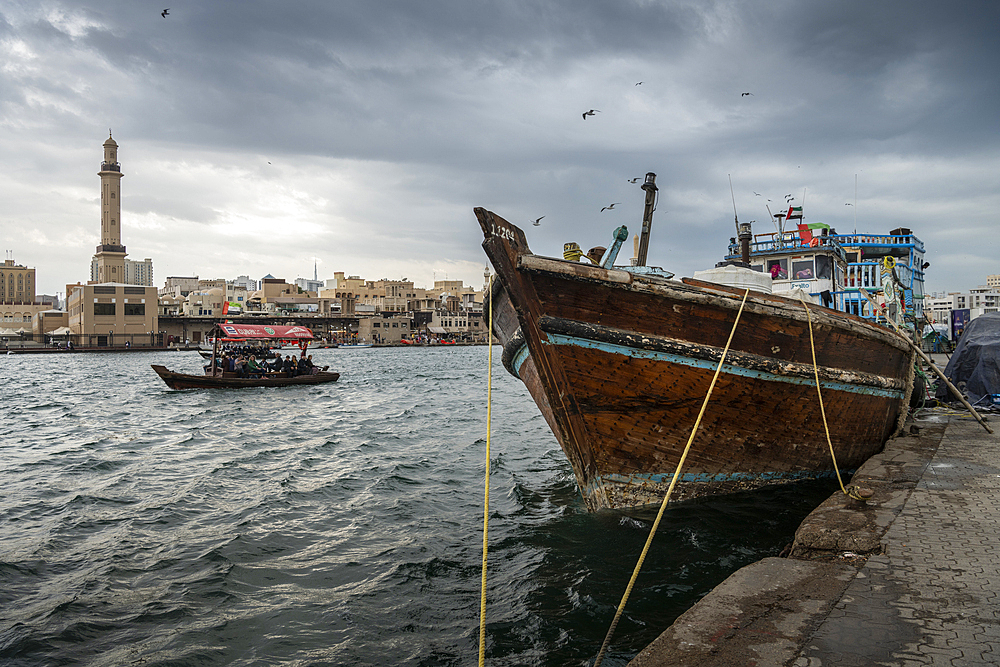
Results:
x,y
263,137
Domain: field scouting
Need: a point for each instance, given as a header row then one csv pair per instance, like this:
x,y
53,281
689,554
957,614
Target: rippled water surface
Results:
x,y
331,525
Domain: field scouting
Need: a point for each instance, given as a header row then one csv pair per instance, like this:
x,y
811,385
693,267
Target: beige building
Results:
x,y
17,296
179,285
993,281
48,321
114,308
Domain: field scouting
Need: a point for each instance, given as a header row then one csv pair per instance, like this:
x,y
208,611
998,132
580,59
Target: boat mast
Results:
x,y
647,217
215,348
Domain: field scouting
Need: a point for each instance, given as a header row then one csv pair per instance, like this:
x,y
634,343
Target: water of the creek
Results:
x,y
338,524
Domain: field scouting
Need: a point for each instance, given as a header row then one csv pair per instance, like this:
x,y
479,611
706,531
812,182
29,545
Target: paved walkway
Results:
x,y
932,598
924,589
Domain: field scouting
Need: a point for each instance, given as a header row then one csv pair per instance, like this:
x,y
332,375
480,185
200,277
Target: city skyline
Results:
x,y
360,138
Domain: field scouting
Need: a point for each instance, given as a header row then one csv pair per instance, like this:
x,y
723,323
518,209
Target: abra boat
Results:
x,y
216,378
619,359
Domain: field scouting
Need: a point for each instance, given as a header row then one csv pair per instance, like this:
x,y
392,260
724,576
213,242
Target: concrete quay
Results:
x,y
911,577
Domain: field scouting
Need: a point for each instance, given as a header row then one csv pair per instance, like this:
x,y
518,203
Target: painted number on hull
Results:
x,y
503,231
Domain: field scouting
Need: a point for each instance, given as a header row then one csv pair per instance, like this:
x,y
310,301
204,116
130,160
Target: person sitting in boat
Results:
x,y
276,364
288,366
254,369
305,365
240,366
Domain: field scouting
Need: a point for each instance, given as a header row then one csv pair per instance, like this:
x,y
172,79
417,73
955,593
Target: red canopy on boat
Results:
x,y
265,331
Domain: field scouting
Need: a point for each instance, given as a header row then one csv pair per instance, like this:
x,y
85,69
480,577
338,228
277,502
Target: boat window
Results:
x,y
824,266
778,268
802,269
852,258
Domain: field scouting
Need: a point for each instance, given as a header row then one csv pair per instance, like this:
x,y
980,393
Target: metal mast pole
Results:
x,y
647,217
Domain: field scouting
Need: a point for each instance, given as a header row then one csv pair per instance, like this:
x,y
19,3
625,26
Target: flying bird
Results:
x,y
634,180
745,94
165,12
538,221
756,193
639,84
787,196
590,113
848,204
608,208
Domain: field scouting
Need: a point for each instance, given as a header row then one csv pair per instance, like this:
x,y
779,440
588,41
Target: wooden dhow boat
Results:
x,y
619,360
216,378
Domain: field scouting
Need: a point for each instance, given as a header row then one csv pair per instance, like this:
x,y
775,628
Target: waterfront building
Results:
x,y
179,285
205,302
308,285
18,303
47,321
216,283
993,281
246,282
112,308
957,309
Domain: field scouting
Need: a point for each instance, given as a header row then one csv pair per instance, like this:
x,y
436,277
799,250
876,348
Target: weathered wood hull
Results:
x,y
184,381
619,365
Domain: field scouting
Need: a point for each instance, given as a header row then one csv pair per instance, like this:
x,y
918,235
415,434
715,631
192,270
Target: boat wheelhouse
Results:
x,y
832,268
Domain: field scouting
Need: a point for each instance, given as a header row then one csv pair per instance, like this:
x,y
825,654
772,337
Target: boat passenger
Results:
x,y
288,366
254,369
276,365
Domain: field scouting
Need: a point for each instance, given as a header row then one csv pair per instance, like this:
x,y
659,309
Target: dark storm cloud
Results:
x,y
385,114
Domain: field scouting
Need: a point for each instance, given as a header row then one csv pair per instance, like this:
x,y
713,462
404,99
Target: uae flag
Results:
x,y
806,229
794,213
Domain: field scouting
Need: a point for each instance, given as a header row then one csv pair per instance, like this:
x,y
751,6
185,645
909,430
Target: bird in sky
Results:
x,y
848,204
639,84
789,200
745,94
538,221
787,196
608,208
756,193
590,113
634,180
165,12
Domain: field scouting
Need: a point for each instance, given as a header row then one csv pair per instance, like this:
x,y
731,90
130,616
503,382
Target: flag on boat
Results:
x,y
794,213
806,232
232,307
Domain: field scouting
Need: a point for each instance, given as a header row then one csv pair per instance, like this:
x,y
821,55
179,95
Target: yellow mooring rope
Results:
x,y
670,490
822,410
486,504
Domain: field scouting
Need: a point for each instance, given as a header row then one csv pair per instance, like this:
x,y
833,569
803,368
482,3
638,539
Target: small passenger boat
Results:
x,y
216,378
619,360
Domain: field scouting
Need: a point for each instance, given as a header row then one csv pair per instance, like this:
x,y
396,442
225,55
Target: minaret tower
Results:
x,y
111,253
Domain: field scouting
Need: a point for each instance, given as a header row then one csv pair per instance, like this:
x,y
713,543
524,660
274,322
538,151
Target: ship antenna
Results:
x,y
855,203
736,218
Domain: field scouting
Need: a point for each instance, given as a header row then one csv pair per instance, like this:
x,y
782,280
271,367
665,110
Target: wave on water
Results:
x,y
326,525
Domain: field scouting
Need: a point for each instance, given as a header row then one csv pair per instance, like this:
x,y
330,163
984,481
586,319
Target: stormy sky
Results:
x,y
263,137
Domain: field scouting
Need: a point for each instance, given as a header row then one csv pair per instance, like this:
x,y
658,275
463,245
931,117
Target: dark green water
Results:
x,y
331,525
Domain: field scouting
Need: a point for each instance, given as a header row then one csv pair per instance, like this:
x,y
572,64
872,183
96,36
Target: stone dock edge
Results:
x,y
767,612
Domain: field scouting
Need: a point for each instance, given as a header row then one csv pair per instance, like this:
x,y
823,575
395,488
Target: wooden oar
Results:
x,y
927,359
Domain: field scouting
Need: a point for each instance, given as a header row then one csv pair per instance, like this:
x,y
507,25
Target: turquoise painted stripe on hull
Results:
x,y
611,348
519,358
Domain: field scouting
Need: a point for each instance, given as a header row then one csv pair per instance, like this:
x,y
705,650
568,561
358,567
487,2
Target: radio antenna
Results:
x,y
736,218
